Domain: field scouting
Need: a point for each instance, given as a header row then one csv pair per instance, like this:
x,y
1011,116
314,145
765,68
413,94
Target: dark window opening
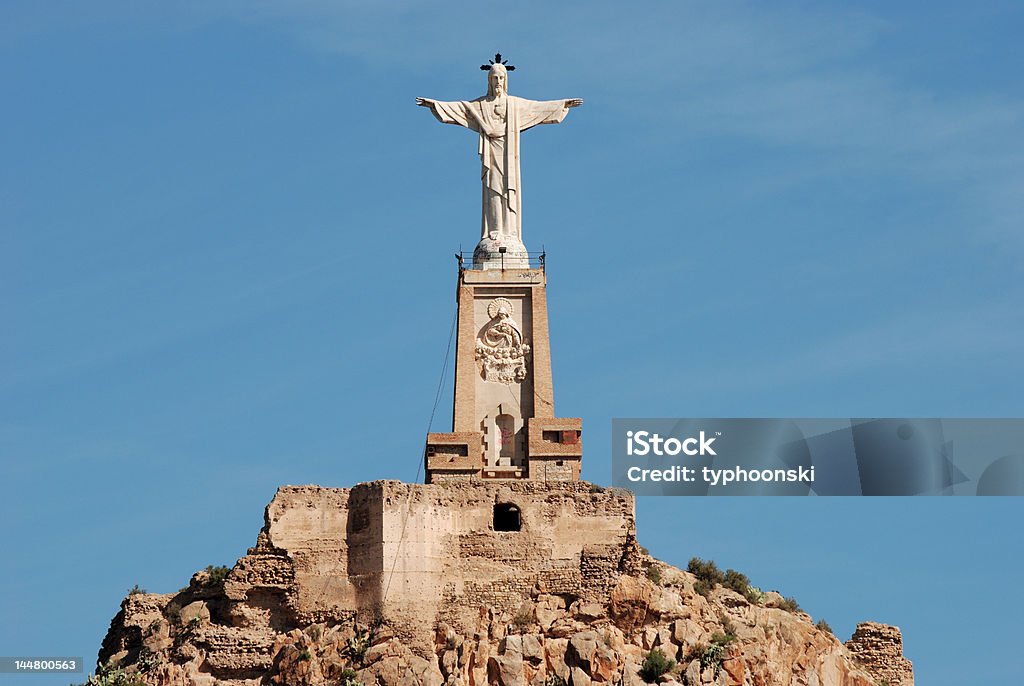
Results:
x,y
507,517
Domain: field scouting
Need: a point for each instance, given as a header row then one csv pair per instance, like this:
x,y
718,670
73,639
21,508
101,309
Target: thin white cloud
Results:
x,y
905,340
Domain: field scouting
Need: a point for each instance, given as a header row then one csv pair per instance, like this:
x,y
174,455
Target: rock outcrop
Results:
x,y
432,594
879,648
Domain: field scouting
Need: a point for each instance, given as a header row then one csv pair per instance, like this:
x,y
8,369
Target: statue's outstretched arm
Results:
x,y
571,102
449,112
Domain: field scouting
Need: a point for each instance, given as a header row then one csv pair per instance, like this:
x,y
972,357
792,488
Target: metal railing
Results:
x,y
533,260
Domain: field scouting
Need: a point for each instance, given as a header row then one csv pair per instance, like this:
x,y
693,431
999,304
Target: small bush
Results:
x,y
728,627
790,605
172,612
654,574
594,488
823,626
655,664
522,620
713,654
136,590
148,661
108,675
217,575
359,644
703,587
737,581
350,678
554,680
705,570
305,655
723,639
644,551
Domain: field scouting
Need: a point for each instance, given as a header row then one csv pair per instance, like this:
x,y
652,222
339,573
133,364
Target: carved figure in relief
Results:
x,y
499,118
500,347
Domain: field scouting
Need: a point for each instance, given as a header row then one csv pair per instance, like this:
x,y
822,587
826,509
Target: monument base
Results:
x,y
504,426
500,252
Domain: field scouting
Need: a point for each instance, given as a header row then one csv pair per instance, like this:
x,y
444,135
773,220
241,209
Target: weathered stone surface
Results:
x,y
547,609
581,650
196,611
879,648
468,606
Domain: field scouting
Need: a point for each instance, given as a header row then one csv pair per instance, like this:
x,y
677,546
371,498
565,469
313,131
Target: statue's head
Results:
x,y
497,80
497,75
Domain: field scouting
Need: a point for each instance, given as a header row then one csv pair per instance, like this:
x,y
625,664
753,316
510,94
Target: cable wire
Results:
x,y
423,457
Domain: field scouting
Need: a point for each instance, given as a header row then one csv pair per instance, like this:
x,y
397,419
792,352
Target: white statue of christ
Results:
x,y
499,118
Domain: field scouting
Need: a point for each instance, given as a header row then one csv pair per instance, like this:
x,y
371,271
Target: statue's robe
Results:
x,y
499,152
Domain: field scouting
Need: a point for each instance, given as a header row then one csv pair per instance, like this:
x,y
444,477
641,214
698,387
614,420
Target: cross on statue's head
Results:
x,y
497,62
497,75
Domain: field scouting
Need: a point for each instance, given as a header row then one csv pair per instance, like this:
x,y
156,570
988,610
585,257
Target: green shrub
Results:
x,y
655,664
148,661
108,675
554,680
359,644
350,678
305,655
823,626
737,581
754,595
654,574
217,575
728,627
136,590
172,612
522,620
703,587
723,639
713,654
790,605
706,571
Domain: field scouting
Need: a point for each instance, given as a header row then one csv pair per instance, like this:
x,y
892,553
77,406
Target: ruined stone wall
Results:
x,y
414,552
879,648
443,557
412,584
552,469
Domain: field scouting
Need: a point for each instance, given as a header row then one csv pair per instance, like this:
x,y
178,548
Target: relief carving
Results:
x,y
500,347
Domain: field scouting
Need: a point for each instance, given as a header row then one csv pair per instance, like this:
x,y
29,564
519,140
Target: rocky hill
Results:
x,y
484,603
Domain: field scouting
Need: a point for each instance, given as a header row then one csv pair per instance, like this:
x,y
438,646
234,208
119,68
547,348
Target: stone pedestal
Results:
x,y
497,252
504,406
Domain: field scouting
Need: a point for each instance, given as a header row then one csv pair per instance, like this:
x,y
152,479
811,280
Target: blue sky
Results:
x,y
226,266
